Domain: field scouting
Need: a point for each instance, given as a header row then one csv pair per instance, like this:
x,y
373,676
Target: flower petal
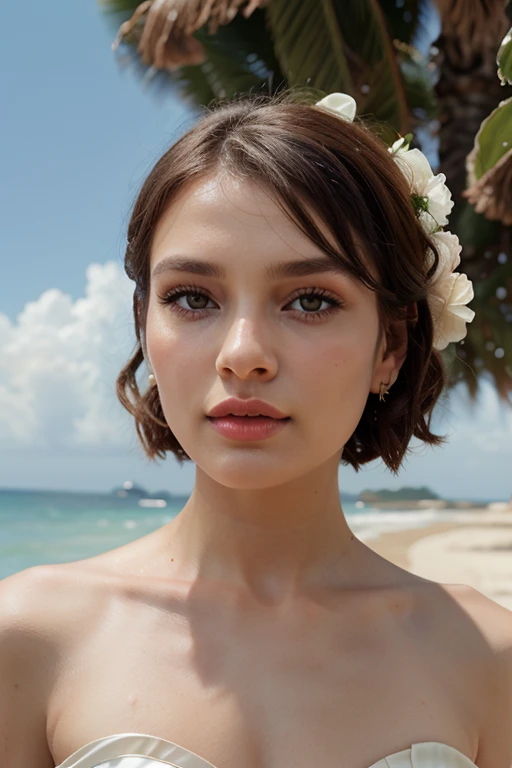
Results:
x,y
449,310
340,104
440,201
449,248
415,167
396,145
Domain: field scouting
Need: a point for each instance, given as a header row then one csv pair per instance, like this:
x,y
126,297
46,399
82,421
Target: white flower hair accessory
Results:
x,y
448,291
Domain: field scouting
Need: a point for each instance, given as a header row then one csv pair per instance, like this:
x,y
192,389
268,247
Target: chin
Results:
x,y
249,472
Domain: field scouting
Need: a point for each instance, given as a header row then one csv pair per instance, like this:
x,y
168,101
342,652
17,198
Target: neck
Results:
x,y
274,543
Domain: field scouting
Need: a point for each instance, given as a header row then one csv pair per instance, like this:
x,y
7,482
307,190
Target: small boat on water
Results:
x,y
158,503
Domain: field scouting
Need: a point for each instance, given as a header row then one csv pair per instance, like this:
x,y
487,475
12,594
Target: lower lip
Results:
x,y
247,427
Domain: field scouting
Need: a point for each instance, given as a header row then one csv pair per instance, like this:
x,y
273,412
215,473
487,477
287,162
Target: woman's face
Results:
x,y
248,334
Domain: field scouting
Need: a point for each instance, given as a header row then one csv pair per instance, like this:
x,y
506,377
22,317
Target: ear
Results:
x,y
390,355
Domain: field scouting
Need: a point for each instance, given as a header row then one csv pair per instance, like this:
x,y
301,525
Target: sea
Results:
x,y
42,527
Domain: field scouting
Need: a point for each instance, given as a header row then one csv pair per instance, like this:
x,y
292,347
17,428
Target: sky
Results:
x,y
80,133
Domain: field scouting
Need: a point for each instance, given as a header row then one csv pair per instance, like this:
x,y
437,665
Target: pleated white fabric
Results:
x,y
139,750
426,754
133,750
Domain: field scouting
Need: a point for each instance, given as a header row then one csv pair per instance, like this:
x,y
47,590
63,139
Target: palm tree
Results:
x,y
207,49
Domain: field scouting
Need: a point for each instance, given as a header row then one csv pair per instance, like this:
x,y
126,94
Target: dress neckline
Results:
x,y
425,754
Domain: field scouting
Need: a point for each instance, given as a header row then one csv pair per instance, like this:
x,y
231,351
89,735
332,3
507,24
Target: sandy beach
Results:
x,y
476,550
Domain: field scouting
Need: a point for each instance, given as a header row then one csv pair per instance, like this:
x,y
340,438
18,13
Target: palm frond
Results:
x,y
339,46
238,58
308,44
162,30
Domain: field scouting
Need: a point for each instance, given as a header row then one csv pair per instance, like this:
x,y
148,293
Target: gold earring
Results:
x,y
383,390
152,379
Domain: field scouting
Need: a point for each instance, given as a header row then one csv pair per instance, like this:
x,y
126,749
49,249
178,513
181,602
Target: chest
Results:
x,y
245,690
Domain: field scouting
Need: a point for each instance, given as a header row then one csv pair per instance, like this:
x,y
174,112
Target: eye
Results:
x,y
310,298
198,297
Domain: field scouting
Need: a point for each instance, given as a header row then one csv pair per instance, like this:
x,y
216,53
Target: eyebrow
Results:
x,y
276,271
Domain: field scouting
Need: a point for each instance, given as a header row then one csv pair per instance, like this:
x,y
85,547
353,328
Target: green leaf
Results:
x,y
308,44
494,138
192,85
504,59
240,58
335,45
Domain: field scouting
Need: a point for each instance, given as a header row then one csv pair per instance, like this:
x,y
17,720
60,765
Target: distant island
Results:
x,y
402,494
421,497
129,495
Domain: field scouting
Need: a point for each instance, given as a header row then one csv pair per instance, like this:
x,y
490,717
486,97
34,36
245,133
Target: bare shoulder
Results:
x,y
48,600
488,615
44,610
27,627
27,603
494,626
29,656
492,620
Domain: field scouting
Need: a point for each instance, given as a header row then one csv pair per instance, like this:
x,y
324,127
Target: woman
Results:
x,y
285,281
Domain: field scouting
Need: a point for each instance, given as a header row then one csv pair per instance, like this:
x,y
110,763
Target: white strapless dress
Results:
x,y
139,750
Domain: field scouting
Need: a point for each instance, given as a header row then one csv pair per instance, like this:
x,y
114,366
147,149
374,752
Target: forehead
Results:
x,y
226,216
226,208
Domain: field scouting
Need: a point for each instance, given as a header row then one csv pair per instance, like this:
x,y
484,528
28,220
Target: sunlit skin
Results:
x,y
264,516
254,629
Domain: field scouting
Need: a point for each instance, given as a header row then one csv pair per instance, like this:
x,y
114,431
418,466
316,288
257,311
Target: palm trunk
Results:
x,y
468,89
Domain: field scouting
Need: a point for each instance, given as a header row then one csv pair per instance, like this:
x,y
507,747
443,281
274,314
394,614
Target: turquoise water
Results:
x,y
54,527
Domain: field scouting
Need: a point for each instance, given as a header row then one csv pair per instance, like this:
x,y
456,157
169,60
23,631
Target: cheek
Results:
x,y
184,369
175,362
168,349
335,380
336,366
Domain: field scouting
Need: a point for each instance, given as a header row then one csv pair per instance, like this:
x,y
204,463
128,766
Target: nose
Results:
x,y
245,351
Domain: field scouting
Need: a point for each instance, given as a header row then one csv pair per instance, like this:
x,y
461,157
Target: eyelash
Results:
x,y
171,297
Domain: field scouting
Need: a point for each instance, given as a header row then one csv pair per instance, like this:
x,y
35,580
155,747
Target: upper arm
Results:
x,y
495,624
27,660
503,713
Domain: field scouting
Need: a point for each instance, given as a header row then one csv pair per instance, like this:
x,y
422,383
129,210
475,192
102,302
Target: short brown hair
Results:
x,y
308,160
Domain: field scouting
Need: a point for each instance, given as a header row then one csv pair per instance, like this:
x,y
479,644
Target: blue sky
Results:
x,y
79,135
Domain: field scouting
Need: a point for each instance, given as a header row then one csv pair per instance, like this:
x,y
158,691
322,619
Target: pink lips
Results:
x,y
247,427
235,406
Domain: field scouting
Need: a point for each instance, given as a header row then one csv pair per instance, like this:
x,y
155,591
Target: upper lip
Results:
x,y
237,407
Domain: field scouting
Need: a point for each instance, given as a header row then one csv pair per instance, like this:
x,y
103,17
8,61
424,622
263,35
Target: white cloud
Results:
x,y
59,362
